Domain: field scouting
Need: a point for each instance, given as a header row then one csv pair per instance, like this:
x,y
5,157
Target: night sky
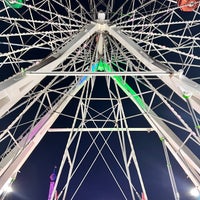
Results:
x,y
32,182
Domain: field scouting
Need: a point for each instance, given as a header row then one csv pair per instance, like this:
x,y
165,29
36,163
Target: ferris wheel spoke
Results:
x,y
42,12
139,15
41,33
85,10
59,23
24,50
168,49
164,25
54,55
74,11
171,36
123,20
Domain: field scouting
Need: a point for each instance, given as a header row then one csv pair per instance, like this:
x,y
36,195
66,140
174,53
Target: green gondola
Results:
x,y
15,3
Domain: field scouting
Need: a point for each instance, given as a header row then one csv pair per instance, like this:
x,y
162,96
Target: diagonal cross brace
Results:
x,y
184,156
178,83
22,84
13,161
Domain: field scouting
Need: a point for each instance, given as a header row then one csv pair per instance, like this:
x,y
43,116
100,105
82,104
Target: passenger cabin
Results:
x,y
188,5
15,3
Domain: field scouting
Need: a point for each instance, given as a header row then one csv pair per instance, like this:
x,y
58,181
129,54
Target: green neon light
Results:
x,y
102,66
15,4
186,96
162,139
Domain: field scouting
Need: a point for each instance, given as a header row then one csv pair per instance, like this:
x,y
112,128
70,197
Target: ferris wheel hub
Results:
x,y
101,16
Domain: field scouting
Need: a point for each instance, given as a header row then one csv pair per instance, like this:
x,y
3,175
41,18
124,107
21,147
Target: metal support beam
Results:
x,y
178,83
13,164
184,156
156,73
100,129
22,84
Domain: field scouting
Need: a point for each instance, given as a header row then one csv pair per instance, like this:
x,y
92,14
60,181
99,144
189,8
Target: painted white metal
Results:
x,y
170,171
175,80
99,129
17,158
132,155
100,44
154,73
178,83
189,161
22,84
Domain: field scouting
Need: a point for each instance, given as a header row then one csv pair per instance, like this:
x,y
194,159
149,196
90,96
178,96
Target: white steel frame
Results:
x,y
25,82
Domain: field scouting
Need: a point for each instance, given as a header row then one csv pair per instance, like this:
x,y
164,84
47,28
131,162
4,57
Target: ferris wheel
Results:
x,y
108,75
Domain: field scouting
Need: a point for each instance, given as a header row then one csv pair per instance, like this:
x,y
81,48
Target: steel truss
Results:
x,y
68,76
